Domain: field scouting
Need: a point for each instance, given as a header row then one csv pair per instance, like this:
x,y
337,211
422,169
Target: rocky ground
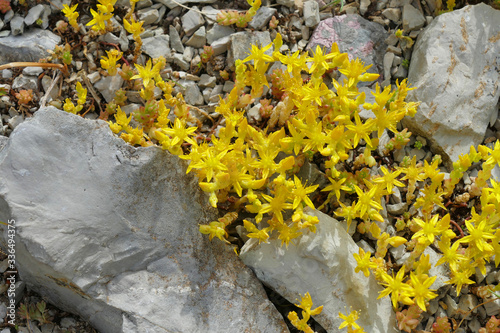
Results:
x,y
178,30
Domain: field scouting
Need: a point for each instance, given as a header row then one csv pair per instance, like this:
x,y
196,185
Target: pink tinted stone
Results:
x,y
355,35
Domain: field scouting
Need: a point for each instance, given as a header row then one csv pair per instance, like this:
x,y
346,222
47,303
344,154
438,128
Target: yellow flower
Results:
x,y
71,14
364,262
396,287
134,27
420,291
350,320
320,61
109,63
366,199
451,255
295,62
461,277
479,233
389,179
356,71
258,55
275,205
106,6
300,193
82,93
431,228
336,186
147,73
99,19
494,158
254,232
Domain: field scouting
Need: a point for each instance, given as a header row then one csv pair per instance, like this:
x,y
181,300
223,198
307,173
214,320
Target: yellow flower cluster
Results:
x,y
101,19
71,15
243,159
462,256
82,98
258,166
306,305
109,63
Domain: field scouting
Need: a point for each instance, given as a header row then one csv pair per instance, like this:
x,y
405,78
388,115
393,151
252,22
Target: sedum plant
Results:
x,y
253,169
241,20
306,305
71,15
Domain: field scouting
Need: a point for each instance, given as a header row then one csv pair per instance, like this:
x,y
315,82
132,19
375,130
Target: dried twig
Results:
x,y
92,90
62,68
47,93
184,6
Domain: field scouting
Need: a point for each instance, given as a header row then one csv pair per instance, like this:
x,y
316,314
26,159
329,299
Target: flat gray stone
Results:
x,y
47,11
179,61
148,15
217,32
221,45
413,19
363,6
111,38
210,13
8,16
311,13
175,40
198,39
191,92
191,21
388,60
393,14
207,81
35,71
156,46
46,82
31,46
25,82
17,25
262,18
111,233
287,3
34,14
108,86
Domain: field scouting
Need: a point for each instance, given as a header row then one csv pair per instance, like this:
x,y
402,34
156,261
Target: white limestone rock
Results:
x,y
322,264
454,69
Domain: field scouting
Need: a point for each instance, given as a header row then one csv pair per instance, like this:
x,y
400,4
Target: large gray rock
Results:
x,y
110,232
454,69
357,37
30,46
322,264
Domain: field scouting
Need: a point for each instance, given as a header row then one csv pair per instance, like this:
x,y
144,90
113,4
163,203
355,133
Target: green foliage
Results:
x,y
441,325
24,96
207,54
36,312
241,20
408,319
5,6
